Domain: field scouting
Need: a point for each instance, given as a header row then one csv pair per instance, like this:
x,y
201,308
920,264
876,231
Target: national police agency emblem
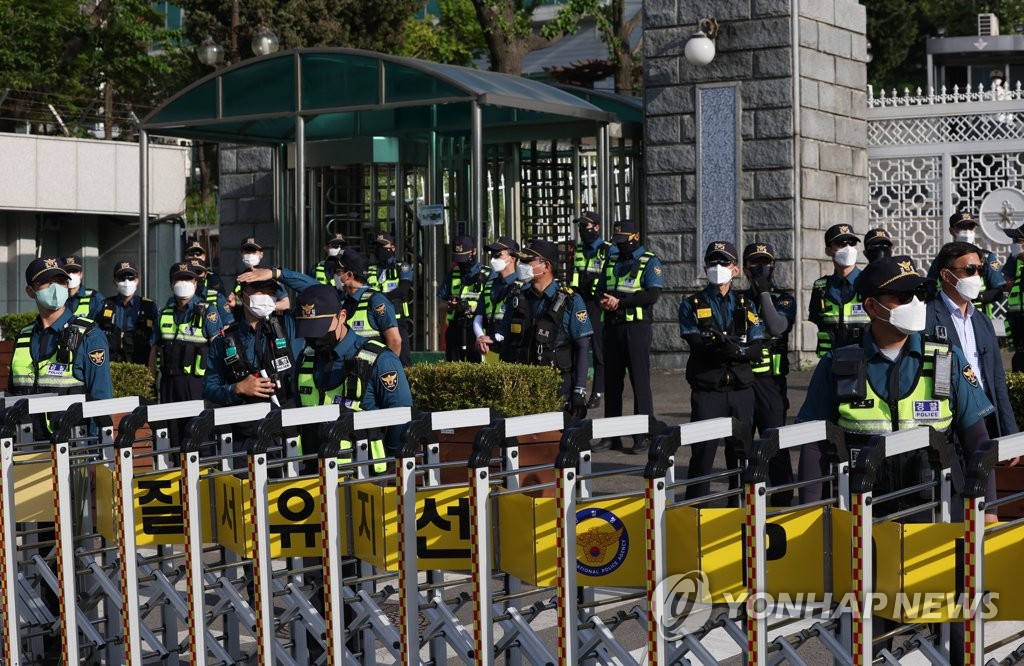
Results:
x,y
381,309
97,356
602,542
969,375
582,316
389,380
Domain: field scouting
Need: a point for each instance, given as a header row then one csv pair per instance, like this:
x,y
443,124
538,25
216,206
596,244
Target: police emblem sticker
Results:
x,y
381,309
602,542
389,380
969,375
857,308
97,356
56,369
212,317
582,316
926,409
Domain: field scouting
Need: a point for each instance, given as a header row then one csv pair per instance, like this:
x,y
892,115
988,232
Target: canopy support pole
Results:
x,y
147,279
603,175
478,186
300,190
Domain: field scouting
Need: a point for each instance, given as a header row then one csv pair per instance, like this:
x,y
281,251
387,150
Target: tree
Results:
x,y
508,32
453,37
616,32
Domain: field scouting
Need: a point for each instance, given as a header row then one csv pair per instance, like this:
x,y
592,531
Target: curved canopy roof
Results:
x,y
345,93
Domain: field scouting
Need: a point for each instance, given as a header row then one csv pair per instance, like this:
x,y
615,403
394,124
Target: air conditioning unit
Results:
x,y
988,25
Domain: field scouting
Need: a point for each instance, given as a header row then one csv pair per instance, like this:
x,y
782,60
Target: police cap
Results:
x,y
840,232
721,248
877,237
44,269
756,249
889,274
315,307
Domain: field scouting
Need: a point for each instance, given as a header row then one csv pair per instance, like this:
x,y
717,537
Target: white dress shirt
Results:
x,y
965,331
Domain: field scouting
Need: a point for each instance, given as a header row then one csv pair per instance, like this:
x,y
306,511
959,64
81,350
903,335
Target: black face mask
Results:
x,y
384,254
324,343
466,266
763,271
628,247
590,235
876,252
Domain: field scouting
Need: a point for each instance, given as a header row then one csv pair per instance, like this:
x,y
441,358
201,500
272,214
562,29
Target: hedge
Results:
x,y
509,388
13,322
132,379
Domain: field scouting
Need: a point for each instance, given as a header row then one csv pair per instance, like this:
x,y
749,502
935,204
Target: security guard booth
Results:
x,y
365,143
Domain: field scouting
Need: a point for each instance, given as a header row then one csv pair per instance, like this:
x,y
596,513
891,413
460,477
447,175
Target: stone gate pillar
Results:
x,y
767,142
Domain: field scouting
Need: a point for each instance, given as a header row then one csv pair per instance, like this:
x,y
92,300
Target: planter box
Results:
x,y
140,464
1010,480
6,354
538,449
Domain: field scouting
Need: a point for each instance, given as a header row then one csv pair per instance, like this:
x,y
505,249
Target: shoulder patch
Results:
x,y
995,264
785,302
582,316
657,270
97,356
212,316
821,282
969,375
381,309
389,380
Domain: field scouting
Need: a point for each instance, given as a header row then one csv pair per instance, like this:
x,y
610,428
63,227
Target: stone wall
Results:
x,y
811,106
246,205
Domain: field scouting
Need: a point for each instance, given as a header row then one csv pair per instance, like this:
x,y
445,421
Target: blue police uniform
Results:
x,y
967,400
90,362
493,303
523,329
77,303
369,312
588,266
216,298
258,351
468,286
835,308
129,327
637,279
394,278
725,336
215,282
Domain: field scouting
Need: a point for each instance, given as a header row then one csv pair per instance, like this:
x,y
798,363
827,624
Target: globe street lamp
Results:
x,y
265,42
700,50
210,53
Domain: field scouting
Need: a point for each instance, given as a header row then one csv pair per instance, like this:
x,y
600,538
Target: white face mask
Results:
x,y
75,280
127,287
184,289
332,251
524,271
719,275
908,318
498,264
969,287
966,236
261,305
251,260
845,257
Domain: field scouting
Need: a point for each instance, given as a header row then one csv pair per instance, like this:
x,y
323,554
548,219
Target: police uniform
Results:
x,y
393,278
195,250
129,325
835,306
464,282
591,257
84,302
877,244
323,272
360,374
70,356
636,277
724,335
493,303
770,389
934,384
1013,271
992,275
182,340
548,328
215,300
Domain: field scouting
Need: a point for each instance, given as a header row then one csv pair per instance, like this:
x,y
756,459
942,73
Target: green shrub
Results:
x,y
13,322
509,388
132,379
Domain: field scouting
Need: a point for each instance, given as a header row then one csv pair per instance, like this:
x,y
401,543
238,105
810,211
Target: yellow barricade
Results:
x,y
33,488
294,510
1002,575
158,510
442,527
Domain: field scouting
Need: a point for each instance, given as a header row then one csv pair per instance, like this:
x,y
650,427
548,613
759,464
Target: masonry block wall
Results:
x,y
246,197
799,70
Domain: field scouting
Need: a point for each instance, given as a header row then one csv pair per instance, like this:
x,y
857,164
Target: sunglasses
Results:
x,y
969,269
904,297
846,242
720,262
194,253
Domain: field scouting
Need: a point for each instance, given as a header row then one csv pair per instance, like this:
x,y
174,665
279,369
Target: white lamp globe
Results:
x,y
700,50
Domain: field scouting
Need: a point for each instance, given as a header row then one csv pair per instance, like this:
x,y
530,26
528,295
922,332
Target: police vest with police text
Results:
x,y
54,374
467,292
84,297
537,339
715,372
840,323
349,393
183,346
131,346
386,281
630,283
587,271
775,353
921,406
320,273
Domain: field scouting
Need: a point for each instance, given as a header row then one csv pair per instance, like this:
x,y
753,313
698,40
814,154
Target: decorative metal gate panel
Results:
x,y
931,155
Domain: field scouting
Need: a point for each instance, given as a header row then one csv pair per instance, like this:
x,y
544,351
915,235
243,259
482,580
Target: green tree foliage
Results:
x,y
509,32
453,37
616,30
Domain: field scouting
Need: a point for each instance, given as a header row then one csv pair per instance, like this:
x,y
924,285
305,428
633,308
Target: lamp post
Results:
x,y
210,53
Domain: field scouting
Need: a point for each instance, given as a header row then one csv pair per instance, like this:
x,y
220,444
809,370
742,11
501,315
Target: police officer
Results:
x,y
897,360
128,320
333,246
777,311
459,294
82,301
963,227
59,352
393,278
215,300
548,324
835,306
195,250
256,359
627,292
186,326
877,244
1013,269
490,311
252,255
370,313
725,337
337,367
592,255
